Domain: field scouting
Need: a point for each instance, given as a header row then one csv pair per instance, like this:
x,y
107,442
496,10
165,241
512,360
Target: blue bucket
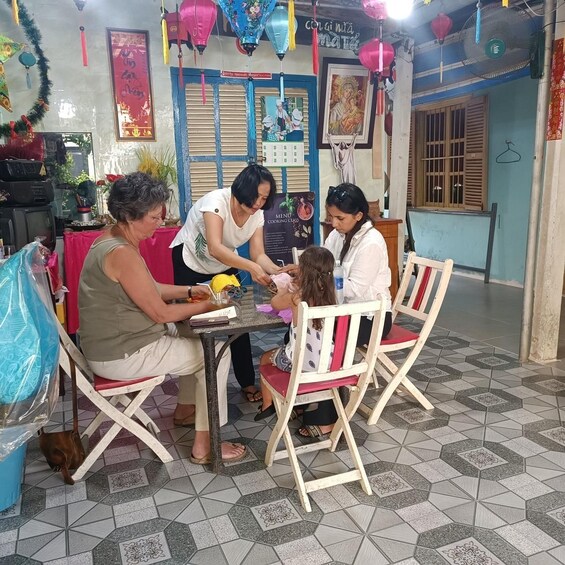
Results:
x,y
11,471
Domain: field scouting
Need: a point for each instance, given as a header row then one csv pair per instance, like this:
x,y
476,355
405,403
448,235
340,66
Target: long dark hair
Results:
x,y
349,198
316,279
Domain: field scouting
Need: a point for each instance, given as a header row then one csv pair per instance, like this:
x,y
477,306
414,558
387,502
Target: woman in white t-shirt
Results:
x,y
215,227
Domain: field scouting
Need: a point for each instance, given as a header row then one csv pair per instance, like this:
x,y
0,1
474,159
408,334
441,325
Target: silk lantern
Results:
x,y
376,56
441,26
278,31
199,17
375,9
247,19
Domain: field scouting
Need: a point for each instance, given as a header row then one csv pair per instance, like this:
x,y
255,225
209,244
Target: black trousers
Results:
x,y
241,356
326,414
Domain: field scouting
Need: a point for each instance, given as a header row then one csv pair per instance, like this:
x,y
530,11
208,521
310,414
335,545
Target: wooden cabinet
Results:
x,y
389,230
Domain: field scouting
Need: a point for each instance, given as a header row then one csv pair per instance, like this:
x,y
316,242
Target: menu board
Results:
x,y
289,223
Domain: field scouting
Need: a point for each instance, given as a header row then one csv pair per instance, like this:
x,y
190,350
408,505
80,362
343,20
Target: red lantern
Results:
x,y
199,17
375,9
176,30
377,56
441,26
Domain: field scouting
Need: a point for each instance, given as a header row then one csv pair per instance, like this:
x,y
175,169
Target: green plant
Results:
x,y
159,163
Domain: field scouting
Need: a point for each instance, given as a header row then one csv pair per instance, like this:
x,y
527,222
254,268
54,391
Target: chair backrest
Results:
x,y
428,291
72,353
296,253
339,334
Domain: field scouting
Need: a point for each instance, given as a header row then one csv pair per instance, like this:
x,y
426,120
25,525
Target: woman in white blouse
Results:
x,y
362,251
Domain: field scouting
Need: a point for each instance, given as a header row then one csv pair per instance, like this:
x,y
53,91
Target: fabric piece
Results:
x,y
285,314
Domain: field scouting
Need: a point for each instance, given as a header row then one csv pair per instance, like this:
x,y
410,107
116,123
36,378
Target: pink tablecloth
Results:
x,y
155,251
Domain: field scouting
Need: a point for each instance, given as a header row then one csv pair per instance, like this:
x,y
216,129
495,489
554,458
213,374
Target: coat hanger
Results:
x,y
509,155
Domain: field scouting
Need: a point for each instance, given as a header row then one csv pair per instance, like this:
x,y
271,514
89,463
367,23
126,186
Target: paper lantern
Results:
x,y
28,60
176,30
441,26
247,19
199,17
376,56
375,9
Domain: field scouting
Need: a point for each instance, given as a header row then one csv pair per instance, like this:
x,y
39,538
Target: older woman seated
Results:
x,y
127,328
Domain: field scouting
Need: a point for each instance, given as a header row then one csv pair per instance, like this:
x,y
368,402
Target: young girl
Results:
x,y
315,286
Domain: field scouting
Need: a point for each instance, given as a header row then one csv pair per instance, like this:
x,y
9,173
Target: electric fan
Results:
x,y
504,37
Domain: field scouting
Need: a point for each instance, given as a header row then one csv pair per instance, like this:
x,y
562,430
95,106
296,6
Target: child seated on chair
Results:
x,y
315,286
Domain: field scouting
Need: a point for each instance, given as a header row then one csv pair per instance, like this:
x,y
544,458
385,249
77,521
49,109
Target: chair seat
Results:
x,y
279,381
398,334
100,383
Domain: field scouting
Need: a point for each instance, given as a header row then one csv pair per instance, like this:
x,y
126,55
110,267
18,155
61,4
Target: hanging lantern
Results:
x,y
441,26
376,56
199,17
247,19
80,4
375,9
505,3
176,30
27,59
278,32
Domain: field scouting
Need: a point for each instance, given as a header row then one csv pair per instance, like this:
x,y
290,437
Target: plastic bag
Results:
x,y
29,348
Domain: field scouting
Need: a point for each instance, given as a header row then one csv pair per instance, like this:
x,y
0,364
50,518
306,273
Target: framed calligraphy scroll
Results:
x,y
131,84
347,104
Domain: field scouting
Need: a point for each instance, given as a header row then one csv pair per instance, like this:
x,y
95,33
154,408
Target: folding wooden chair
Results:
x,y
296,253
399,338
337,367
107,395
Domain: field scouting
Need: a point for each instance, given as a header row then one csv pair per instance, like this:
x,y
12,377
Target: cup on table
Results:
x,y
221,299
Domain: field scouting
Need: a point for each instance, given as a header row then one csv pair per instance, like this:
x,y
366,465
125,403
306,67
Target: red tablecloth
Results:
x,y
155,251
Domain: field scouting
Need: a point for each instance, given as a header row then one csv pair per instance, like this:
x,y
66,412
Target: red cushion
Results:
x,y
101,383
398,334
279,381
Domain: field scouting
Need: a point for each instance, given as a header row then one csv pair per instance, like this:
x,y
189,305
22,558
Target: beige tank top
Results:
x,y
112,326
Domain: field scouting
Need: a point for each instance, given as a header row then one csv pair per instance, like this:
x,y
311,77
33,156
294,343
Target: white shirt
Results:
x,y
195,252
365,266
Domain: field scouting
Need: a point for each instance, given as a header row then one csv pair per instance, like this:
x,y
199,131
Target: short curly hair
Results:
x,y
134,195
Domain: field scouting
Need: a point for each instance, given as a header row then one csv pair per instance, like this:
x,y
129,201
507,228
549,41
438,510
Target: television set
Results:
x,y
20,225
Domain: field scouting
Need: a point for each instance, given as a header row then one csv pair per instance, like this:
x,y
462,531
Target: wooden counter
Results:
x,y
389,230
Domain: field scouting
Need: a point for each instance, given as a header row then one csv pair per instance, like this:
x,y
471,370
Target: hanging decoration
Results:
x,y
315,25
28,60
292,26
478,23
15,12
377,56
80,4
199,17
36,113
441,26
427,2
177,34
376,9
278,32
8,48
505,3
164,34
247,19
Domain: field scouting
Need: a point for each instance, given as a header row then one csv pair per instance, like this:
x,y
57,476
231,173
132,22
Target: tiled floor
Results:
x,y
480,480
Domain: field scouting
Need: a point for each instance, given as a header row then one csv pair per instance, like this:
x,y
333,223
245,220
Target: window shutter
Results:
x,y
297,178
475,179
411,184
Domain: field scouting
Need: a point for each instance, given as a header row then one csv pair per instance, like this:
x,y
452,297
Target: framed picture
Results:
x,y
131,84
347,102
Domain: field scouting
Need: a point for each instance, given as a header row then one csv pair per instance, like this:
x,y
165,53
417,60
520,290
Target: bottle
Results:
x,y
338,278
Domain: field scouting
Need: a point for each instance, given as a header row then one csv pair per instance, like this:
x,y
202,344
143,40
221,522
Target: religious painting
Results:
x,y
131,84
347,104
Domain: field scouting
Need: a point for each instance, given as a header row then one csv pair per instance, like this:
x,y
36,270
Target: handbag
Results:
x,y
64,450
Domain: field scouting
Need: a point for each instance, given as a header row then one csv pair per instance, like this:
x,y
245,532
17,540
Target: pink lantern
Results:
x,y
199,17
375,9
441,26
377,56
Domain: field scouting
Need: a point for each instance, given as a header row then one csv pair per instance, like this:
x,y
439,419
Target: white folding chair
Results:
x,y
296,253
337,367
424,304
107,396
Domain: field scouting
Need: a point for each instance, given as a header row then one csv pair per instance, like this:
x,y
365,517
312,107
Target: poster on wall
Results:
x,y
283,131
289,223
131,84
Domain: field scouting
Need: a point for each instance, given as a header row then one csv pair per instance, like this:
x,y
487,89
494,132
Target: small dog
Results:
x,y
63,451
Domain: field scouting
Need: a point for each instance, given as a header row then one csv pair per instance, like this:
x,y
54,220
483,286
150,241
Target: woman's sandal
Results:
x,y
270,410
187,422
313,433
207,459
252,395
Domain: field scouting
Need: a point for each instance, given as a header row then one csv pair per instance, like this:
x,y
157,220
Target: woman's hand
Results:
x,y
291,269
200,292
260,276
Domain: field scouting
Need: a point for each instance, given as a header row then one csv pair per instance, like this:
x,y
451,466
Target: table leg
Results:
x,y
210,368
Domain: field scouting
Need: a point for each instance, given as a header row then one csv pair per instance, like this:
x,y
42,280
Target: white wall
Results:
x,y
81,97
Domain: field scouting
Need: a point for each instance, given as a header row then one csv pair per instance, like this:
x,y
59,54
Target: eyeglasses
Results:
x,y
337,194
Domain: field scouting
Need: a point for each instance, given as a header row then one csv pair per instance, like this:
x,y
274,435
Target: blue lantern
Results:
x,y
247,19
278,32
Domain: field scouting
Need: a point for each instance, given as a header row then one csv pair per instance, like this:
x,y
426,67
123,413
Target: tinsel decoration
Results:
x,y
15,12
478,23
291,26
505,3
315,59
164,34
36,113
426,2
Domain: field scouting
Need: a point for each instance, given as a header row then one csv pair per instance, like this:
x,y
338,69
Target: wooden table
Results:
x,y
248,320
389,230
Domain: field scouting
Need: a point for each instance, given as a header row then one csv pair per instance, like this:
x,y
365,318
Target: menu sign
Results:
x,y
289,223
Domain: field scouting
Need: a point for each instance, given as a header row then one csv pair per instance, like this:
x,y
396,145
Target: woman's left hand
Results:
x,y
200,292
